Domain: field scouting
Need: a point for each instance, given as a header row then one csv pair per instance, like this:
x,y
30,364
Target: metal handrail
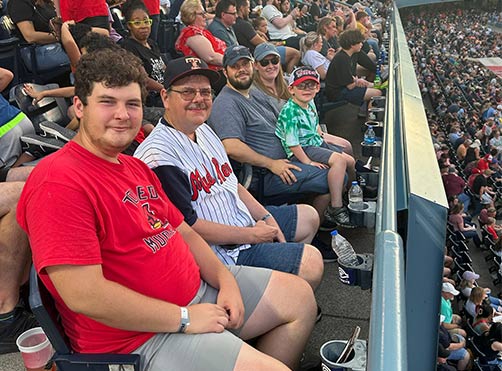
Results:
x,y
387,336
406,274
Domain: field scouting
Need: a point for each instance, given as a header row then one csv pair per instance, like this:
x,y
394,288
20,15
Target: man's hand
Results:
x,y
262,232
207,318
230,299
282,168
272,222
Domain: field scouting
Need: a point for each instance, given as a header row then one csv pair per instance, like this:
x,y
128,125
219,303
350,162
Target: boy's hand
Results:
x,y
318,164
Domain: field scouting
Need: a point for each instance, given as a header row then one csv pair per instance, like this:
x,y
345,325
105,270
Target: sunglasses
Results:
x,y
144,23
273,60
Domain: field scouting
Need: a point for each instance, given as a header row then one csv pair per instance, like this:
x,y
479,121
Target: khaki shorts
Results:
x,y
211,351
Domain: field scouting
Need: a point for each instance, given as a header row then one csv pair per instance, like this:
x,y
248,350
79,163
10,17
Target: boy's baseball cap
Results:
x,y
302,74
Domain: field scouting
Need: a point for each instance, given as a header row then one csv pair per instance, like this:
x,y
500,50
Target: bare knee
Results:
x,y
311,266
307,223
334,159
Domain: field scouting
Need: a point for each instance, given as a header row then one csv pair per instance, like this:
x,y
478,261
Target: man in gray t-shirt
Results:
x,y
245,118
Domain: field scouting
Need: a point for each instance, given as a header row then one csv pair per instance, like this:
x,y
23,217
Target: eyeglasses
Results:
x,y
188,94
266,62
203,13
231,13
307,85
144,23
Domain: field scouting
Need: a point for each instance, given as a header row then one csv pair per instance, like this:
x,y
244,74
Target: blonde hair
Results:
x,y
323,23
308,41
188,10
477,295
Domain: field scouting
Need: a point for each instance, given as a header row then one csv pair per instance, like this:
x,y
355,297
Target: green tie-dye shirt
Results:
x,y
298,126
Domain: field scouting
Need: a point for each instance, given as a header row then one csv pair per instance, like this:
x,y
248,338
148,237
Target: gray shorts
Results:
x,y
320,154
211,351
10,143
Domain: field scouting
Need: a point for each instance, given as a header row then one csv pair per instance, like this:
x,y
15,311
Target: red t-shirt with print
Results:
x,y
79,209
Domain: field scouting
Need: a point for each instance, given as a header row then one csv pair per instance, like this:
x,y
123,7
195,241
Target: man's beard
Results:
x,y
239,84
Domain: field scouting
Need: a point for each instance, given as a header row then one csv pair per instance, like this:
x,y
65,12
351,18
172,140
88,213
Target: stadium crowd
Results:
x,y
236,84
465,114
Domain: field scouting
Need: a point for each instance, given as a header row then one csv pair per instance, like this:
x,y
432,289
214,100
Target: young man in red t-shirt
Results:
x,y
127,273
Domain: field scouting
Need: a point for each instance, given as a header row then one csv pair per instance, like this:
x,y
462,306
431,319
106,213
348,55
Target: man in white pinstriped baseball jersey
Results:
x,y
195,172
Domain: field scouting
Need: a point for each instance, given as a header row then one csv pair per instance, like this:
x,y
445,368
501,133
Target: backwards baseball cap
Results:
x,y
302,74
263,50
179,68
468,276
448,287
490,158
234,53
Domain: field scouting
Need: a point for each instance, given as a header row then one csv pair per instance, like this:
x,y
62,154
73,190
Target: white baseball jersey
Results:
x,y
212,180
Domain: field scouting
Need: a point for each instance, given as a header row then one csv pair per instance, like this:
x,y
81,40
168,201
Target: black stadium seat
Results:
x,y
43,306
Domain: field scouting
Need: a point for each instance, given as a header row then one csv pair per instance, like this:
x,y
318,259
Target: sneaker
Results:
x,y
338,215
12,325
328,255
51,129
38,146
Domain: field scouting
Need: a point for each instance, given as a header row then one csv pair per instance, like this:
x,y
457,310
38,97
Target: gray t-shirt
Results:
x,y
252,120
222,32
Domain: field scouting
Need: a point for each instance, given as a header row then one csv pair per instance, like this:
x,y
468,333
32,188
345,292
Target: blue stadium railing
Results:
x,y
410,227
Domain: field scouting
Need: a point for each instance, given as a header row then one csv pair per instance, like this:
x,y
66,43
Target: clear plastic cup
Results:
x,y
35,349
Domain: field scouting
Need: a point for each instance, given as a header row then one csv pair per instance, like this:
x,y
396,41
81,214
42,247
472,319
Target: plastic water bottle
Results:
x,y
356,201
369,136
343,249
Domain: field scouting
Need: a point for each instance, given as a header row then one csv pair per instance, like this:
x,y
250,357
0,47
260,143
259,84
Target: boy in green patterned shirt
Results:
x,y
300,135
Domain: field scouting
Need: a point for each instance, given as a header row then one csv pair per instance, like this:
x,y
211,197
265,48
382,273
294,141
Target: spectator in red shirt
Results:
x,y
454,186
91,12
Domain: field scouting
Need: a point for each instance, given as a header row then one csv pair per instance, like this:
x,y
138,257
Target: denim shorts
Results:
x,y
310,180
355,96
457,354
284,257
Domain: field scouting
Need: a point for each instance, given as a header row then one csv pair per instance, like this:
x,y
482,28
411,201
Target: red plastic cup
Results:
x,y
35,349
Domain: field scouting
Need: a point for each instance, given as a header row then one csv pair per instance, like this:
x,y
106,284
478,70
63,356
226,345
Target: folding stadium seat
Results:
x,y
169,31
48,109
42,305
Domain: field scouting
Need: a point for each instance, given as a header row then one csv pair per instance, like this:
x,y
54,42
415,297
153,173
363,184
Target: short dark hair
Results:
x,y
240,3
78,31
130,6
112,68
223,6
95,41
350,37
360,15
